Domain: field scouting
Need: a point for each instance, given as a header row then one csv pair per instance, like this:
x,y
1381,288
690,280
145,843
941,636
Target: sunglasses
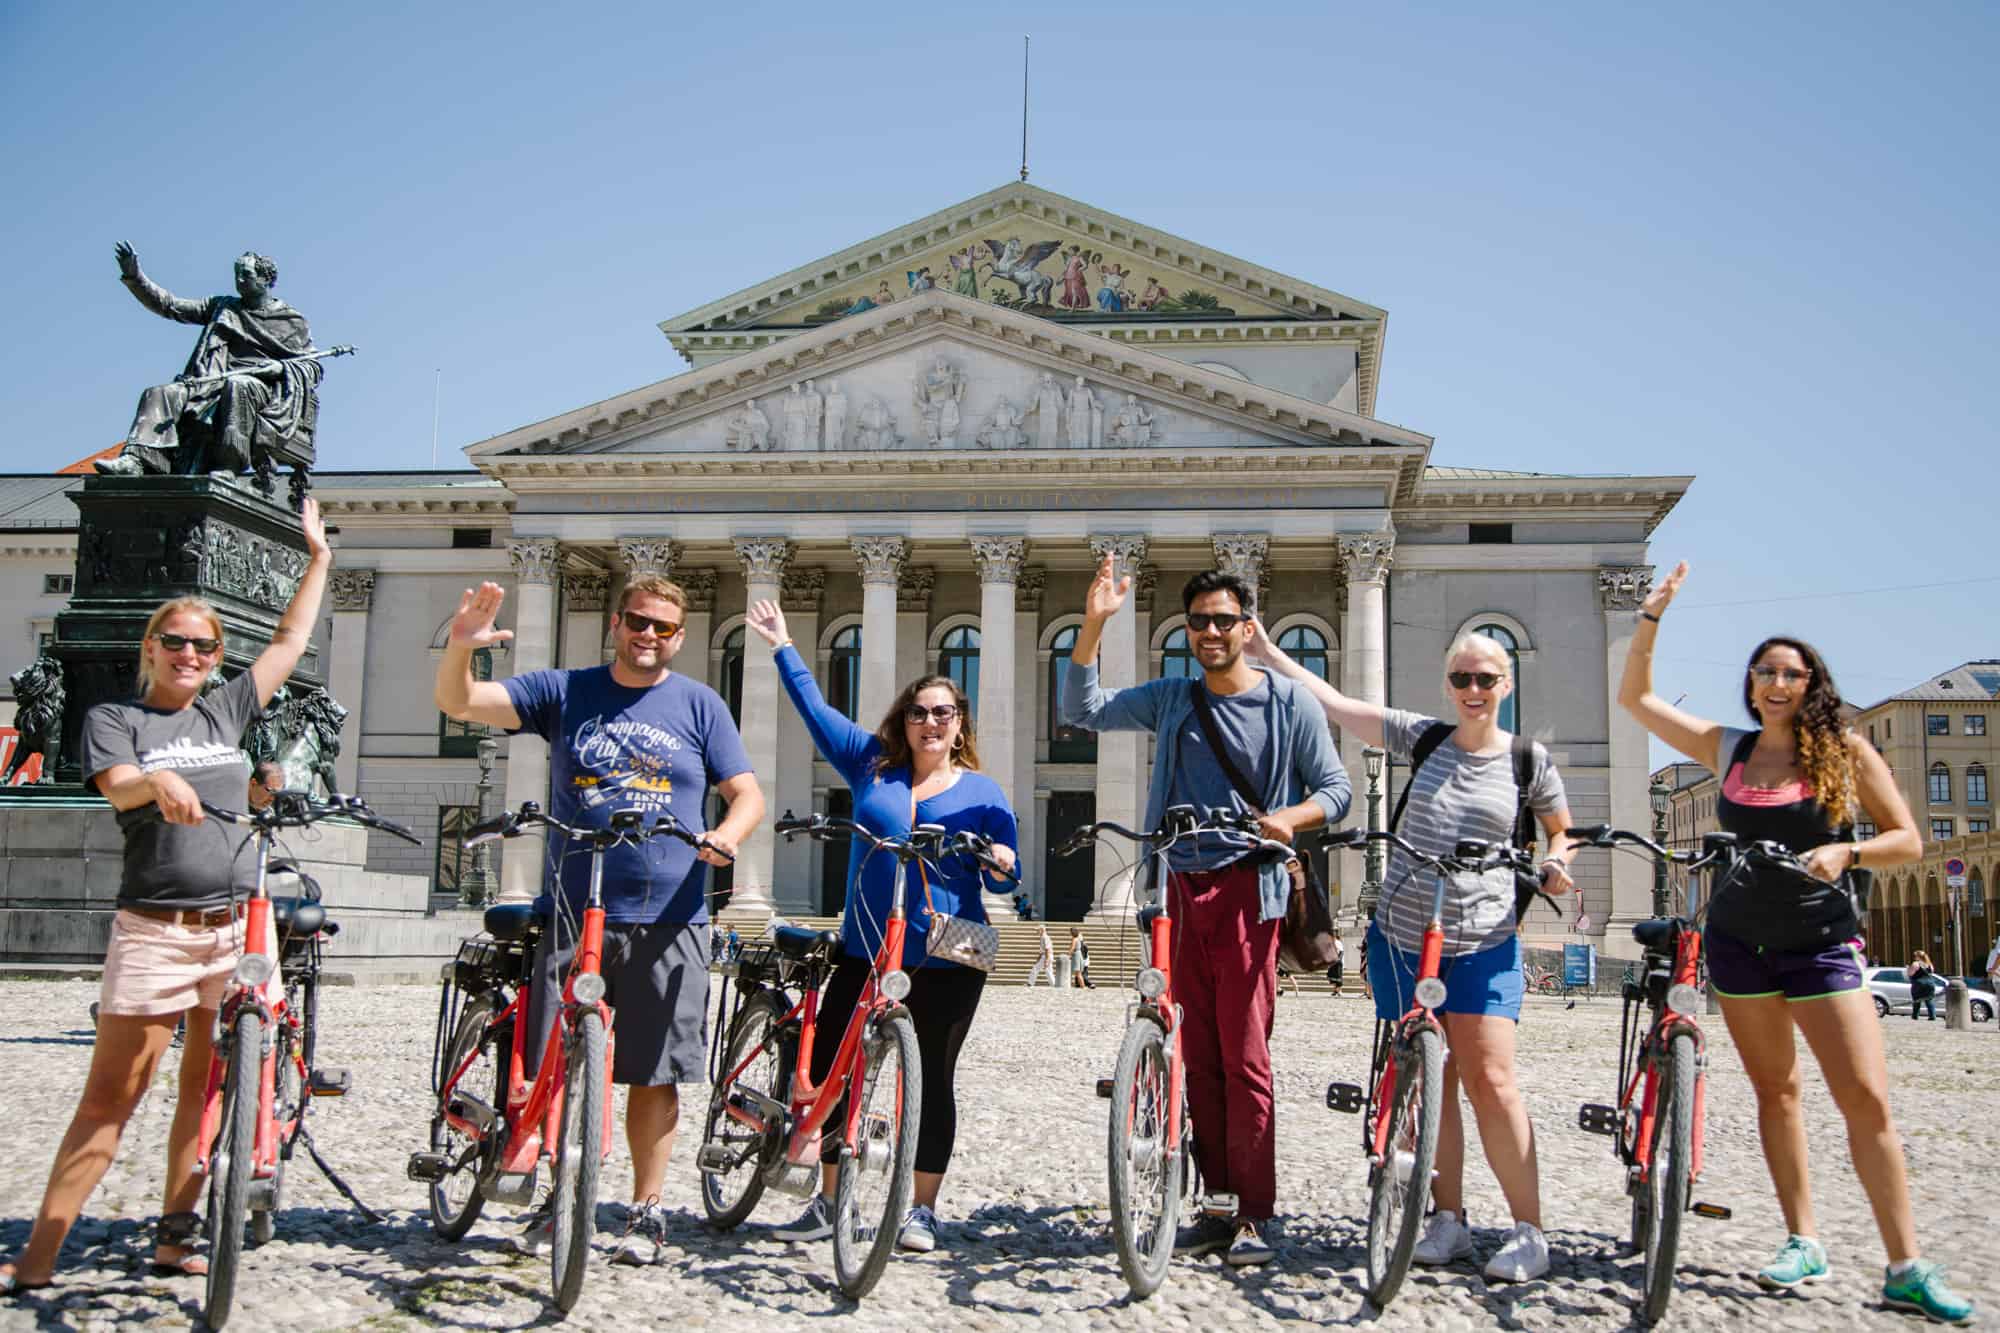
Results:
x,y
1765,675
918,714
1462,680
638,624
173,643
1199,621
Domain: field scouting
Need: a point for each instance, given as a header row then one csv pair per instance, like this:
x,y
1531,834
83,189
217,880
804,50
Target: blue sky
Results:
x,y
1750,243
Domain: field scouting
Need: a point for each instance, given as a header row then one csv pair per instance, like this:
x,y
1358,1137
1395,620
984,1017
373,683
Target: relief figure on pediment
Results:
x,y
1075,280
814,406
796,426
965,271
836,417
1154,294
1082,407
1134,425
748,429
1003,428
1047,411
920,280
938,392
1111,288
875,427
1017,262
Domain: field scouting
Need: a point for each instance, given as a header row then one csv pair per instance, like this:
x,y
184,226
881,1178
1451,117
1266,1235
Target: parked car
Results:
x,y
1891,988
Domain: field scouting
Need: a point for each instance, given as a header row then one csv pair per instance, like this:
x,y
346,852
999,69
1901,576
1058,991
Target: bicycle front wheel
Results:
x,y
728,1194
579,1157
1400,1186
288,1108
873,1187
456,1198
1145,1165
232,1163
1666,1191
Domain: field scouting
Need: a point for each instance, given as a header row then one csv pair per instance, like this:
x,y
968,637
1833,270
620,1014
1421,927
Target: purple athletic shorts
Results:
x,y
1742,971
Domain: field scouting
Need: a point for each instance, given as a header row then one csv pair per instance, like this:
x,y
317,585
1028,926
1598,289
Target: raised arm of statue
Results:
x,y
153,296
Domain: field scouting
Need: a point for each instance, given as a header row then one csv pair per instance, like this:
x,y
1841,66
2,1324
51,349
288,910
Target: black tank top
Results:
x,y
1791,814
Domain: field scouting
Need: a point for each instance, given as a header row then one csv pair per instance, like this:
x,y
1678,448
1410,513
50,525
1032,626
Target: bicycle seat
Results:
x,y
509,921
801,941
297,916
1657,933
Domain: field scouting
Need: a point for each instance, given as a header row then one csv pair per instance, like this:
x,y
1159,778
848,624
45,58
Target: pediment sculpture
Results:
x,y
748,429
940,393
1003,428
875,426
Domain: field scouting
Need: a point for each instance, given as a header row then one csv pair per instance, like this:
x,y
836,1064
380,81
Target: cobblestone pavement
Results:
x,y
1024,1238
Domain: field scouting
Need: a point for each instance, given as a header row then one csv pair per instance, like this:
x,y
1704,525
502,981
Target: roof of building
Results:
x,y
1977,680
37,500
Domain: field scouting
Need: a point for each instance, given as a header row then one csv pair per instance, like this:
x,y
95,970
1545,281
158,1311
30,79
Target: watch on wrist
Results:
x,y
1854,856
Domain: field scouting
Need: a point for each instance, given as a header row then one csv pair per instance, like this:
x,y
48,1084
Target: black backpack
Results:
x,y
1527,886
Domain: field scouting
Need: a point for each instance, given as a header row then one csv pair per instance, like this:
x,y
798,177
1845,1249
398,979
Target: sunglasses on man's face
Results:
x,y
638,624
1462,680
917,714
1199,621
173,643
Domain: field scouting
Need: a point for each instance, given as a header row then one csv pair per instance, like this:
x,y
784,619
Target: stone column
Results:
x,y
692,661
346,675
1620,589
795,890
999,560
763,561
913,625
1120,796
536,563
1027,705
1364,655
584,597
881,560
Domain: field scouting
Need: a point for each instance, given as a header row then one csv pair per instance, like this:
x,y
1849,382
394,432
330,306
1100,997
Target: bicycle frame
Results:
x,y
1382,1093
256,927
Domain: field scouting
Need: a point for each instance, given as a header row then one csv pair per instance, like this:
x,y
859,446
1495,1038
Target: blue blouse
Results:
x,y
974,803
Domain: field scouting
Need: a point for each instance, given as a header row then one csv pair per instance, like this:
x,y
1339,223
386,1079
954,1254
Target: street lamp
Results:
x,y
480,888
1373,858
1662,796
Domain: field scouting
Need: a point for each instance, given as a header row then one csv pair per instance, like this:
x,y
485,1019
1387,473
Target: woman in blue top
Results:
x,y
922,761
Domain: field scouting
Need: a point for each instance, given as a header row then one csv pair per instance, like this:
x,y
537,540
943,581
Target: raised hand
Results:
x,y
128,259
1663,592
473,622
314,527
1257,645
1107,592
768,619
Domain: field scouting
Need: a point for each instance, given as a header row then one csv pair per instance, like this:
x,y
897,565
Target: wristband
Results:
x,y
1854,856
1648,615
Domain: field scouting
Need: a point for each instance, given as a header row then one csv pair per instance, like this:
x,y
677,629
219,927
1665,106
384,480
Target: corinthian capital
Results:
x,y
914,592
587,591
801,589
1242,554
352,589
1126,550
534,559
1623,587
699,585
1028,589
881,559
999,558
1366,556
763,557
649,555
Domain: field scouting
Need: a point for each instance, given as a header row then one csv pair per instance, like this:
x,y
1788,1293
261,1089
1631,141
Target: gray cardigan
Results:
x,y
1161,706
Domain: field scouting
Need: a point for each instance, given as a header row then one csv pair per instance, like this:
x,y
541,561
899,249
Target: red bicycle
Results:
x,y
481,1149
765,1117
262,1077
1404,1100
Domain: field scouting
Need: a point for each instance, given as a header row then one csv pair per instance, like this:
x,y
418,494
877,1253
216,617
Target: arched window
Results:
x,y
1510,709
1975,784
732,673
1177,658
958,659
1067,744
843,671
1307,646
1940,793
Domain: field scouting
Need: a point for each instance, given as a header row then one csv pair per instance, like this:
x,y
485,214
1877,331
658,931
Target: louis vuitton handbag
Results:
x,y
954,938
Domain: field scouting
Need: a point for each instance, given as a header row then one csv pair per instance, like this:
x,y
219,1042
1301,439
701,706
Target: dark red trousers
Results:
x,y
1226,981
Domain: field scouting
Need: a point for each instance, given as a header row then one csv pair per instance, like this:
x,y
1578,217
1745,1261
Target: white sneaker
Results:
x,y
815,1223
1446,1240
1524,1255
645,1235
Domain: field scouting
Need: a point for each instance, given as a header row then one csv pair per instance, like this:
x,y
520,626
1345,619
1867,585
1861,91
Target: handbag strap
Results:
x,y
1221,751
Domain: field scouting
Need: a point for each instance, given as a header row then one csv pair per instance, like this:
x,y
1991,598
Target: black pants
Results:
x,y
941,1004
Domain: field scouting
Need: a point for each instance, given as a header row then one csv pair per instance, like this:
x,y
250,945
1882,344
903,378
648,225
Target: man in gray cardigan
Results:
x,y
1227,906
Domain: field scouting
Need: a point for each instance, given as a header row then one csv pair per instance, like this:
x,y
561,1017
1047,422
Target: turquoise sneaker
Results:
x,y
1921,1287
1799,1260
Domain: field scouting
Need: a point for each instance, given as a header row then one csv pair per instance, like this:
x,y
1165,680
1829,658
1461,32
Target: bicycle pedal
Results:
x,y
330,1083
428,1167
1104,1086
1219,1205
712,1159
1347,1097
1597,1118
1718,1211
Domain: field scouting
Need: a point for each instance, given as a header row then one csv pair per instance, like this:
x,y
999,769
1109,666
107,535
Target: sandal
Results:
x,y
178,1231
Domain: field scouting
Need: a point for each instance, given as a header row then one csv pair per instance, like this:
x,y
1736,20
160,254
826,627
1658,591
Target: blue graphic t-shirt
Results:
x,y
615,747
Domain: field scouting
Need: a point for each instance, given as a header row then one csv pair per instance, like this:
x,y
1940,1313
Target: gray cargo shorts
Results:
x,y
656,982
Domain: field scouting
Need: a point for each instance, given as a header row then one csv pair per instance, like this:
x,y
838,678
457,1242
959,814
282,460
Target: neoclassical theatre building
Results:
x,y
922,445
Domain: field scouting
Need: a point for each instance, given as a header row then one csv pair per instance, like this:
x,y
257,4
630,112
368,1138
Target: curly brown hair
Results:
x,y
896,743
1818,731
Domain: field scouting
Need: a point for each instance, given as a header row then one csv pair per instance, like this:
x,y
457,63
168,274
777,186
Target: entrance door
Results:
x,y
1069,886
833,857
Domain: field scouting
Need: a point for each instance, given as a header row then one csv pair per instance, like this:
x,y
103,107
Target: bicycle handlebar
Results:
x,y
626,827
297,809
1182,821
1469,855
925,840
1714,846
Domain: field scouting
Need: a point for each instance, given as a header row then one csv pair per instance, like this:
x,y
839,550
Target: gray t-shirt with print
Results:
x,y
181,865
1457,795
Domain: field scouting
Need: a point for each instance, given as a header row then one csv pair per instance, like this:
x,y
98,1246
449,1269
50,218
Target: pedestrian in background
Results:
x,y
1079,961
1923,985
1045,961
1335,973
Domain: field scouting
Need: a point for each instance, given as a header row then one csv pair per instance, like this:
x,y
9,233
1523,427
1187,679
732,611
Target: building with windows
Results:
x,y
922,445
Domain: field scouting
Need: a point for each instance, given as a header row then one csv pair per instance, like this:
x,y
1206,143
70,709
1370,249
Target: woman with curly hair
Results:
x,y
1802,778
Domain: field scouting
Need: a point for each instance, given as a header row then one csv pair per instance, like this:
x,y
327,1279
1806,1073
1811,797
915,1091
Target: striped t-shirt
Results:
x,y
1457,795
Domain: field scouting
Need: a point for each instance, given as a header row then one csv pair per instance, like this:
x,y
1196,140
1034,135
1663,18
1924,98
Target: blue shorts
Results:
x,y
1744,972
1487,982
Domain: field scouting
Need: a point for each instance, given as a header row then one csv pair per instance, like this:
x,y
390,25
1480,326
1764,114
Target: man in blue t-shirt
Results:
x,y
627,735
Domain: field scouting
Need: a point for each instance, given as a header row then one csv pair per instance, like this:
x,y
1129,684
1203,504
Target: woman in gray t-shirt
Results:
x,y
177,934
1465,789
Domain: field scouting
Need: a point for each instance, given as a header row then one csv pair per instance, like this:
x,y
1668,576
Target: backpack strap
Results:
x,y
1523,752
1432,737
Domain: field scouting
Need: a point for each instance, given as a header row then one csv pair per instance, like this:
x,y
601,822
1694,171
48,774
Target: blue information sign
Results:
x,y
1579,965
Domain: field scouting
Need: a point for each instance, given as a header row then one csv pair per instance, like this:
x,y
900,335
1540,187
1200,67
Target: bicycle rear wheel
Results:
x,y
1666,1191
728,1195
1397,1203
456,1199
232,1163
873,1186
1145,1167
579,1157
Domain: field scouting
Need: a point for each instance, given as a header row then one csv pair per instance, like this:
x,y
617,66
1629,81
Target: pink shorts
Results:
x,y
157,967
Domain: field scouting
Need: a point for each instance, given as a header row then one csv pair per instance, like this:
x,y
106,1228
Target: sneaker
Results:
x,y
645,1235
1523,1256
1248,1248
539,1230
919,1231
1446,1240
1799,1260
1207,1234
815,1223
1921,1287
